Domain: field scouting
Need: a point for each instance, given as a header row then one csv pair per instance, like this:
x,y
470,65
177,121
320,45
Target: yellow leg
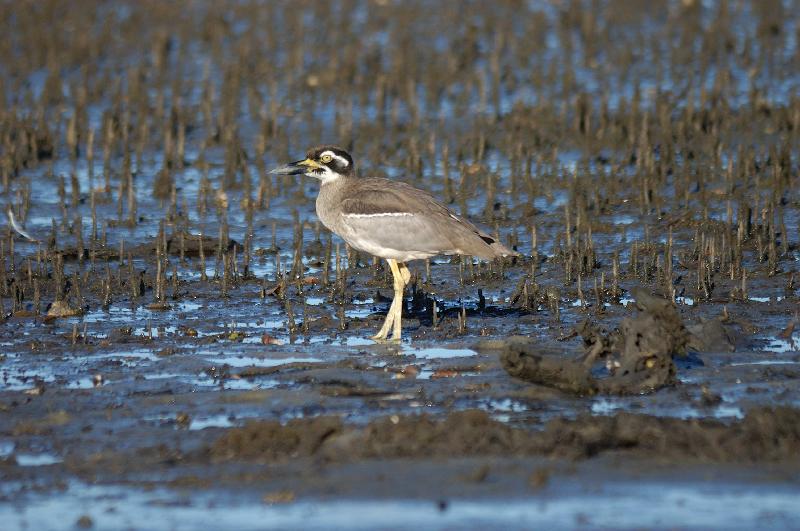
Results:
x,y
394,317
400,282
405,273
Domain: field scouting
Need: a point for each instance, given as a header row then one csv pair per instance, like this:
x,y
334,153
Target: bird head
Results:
x,y
326,163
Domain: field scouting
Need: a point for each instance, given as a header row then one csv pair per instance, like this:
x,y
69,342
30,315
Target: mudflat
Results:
x,y
184,343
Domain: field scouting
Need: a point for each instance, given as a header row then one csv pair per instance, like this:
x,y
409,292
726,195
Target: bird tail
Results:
x,y
501,250
489,248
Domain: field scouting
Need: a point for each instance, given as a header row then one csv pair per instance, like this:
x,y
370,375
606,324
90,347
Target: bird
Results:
x,y
388,219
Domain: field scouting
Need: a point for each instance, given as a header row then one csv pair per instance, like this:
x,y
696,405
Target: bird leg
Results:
x,y
394,316
405,273
404,276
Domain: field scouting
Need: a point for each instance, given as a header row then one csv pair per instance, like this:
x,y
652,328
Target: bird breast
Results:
x,y
327,206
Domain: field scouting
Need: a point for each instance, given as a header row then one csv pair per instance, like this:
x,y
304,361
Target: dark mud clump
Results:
x,y
271,441
638,354
764,435
716,334
523,359
462,433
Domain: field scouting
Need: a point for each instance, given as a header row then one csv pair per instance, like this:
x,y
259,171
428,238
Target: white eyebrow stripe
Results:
x,y
378,215
337,157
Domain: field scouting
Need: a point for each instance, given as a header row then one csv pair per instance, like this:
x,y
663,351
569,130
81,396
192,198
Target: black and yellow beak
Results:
x,y
296,168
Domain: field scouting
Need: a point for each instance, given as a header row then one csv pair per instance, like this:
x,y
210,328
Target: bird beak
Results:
x,y
296,168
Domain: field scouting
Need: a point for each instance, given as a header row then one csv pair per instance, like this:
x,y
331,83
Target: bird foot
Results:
x,y
383,333
386,340
379,337
383,336
392,323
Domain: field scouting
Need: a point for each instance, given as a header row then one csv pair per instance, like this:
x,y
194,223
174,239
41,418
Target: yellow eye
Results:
x,y
326,158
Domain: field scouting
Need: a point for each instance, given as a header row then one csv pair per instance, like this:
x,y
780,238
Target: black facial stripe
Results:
x,y
335,164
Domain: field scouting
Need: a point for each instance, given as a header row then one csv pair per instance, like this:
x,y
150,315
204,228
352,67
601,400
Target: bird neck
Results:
x,y
331,194
334,184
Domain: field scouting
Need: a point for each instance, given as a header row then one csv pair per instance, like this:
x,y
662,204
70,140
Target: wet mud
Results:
x,y
175,322
763,435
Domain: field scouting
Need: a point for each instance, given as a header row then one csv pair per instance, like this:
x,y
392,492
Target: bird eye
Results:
x,y
326,158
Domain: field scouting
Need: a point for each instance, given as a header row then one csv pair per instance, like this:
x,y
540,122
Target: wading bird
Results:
x,y
388,219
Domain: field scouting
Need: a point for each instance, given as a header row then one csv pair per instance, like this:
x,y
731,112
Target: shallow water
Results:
x,y
737,506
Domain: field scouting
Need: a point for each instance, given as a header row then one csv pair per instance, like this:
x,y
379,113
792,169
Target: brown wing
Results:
x,y
392,215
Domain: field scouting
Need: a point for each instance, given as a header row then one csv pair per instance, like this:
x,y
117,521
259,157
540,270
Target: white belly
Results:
x,y
333,221
372,248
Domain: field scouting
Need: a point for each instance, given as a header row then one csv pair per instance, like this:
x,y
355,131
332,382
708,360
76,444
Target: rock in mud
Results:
x,y
60,309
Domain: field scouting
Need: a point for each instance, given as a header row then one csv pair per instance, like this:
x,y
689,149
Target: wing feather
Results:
x,y
386,217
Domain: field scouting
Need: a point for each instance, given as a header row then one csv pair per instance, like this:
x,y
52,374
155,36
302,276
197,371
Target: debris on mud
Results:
x,y
638,354
523,359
